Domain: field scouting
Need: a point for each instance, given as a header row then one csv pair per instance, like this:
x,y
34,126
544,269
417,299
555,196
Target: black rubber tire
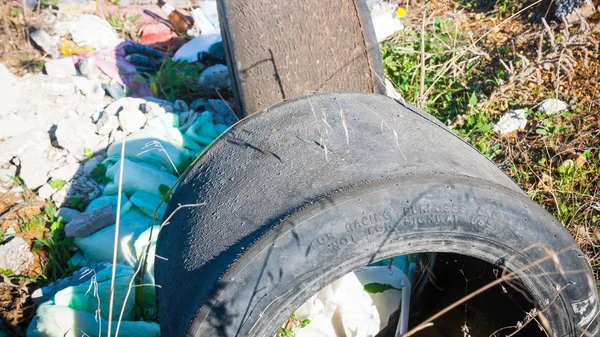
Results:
x,y
280,49
311,189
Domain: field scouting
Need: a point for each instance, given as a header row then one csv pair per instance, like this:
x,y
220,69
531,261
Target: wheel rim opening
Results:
x,y
342,308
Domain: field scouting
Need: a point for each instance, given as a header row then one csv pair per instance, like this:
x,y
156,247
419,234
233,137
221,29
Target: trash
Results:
x,y
345,306
552,106
87,223
511,121
61,68
110,200
141,246
72,310
81,276
384,15
153,178
48,43
189,51
98,247
89,30
181,23
69,48
148,204
67,214
15,255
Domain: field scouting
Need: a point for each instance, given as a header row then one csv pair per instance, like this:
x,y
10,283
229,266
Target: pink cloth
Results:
x,y
112,62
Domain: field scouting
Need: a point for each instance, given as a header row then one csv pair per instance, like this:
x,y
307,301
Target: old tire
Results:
x,y
279,49
304,192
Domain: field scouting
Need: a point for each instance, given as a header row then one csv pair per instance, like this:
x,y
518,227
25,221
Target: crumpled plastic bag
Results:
x,y
149,292
73,311
137,176
148,203
344,305
99,246
203,130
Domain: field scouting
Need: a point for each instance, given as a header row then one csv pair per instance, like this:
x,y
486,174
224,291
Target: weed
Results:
x,y
57,184
77,203
291,325
99,174
58,246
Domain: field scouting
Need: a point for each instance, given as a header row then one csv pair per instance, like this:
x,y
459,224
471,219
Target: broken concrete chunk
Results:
x,y
67,214
107,124
78,135
60,68
13,125
16,256
90,30
89,88
82,187
131,119
35,168
216,76
48,43
45,192
552,106
511,121
66,172
90,222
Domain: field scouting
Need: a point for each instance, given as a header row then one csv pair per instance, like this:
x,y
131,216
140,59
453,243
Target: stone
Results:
x,y
90,30
16,256
43,85
48,43
87,223
168,106
107,124
81,276
67,214
9,234
131,119
82,187
152,110
223,112
78,135
511,121
91,164
86,66
66,172
60,68
16,146
391,91
552,106
116,135
11,90
34,168
116,91
216,76
7,175
89,88
123,103
45,192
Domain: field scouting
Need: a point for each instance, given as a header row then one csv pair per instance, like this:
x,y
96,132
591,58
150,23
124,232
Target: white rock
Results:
x,y
168,106
67,214
123,103
391,91
34,168
66,172
107,124
7,176
45,192
42,85
10,233
60,68
90,30
216,76
511,121
78,134
48,43
86,66
152,110
116,135
552,106
11,89
16,256
91,89
15,146
131,119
